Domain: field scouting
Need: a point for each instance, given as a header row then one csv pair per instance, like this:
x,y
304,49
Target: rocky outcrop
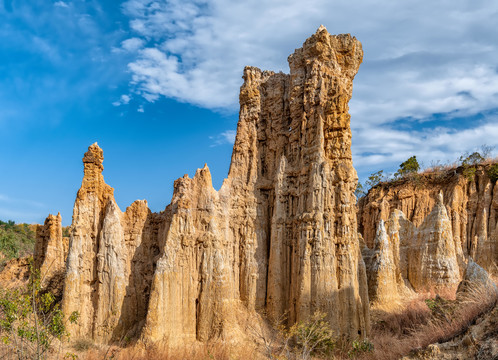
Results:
x,y
476,276
471,204
279,236
50,249
432,259
385,283
406,257
111,259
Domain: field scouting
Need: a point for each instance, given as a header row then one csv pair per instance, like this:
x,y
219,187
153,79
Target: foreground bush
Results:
x,y
31,321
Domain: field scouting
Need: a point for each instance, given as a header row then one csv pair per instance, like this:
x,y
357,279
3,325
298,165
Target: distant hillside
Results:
x,y
16,240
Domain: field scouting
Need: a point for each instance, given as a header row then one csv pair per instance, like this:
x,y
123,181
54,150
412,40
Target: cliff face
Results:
x,y
406,257
471,207
279,236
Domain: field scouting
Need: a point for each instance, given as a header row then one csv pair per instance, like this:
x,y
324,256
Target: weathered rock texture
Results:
x,y
471,206
50,248
408,257
385,283
111,259
279,236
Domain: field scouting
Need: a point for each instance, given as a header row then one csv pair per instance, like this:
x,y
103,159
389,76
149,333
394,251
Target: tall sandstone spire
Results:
x,y
50,249
292,159
279,236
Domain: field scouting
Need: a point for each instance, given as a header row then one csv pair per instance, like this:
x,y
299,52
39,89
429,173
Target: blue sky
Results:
x,y
155,83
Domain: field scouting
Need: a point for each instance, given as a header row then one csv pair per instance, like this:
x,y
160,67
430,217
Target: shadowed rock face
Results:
x,y
279,236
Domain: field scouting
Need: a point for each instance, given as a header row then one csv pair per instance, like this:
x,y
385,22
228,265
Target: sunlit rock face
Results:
x,y
471,206
279,236
432,259
409,258
111,259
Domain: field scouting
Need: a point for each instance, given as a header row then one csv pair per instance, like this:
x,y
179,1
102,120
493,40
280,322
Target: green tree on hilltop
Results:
x,y
407,167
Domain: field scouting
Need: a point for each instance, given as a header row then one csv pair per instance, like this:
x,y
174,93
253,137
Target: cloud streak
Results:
x,y
226,137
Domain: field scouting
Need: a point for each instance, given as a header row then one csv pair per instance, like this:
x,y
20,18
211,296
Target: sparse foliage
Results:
x,y
313,336
359,191
359,347
374,179
301,341
486,151
476,157
271,335
409,166
471,159
31,320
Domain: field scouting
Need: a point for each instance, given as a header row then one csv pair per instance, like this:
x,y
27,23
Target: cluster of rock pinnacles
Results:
x,y
280,237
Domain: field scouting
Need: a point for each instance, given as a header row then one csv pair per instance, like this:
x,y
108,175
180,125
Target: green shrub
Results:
x,y
313,337
472,159
359,347
493,173
469,173
30,320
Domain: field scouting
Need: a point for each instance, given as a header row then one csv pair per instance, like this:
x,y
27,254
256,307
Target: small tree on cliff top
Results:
x,y
407,167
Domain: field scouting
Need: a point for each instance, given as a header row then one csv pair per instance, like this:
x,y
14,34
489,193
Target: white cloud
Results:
x,y
61,4
123,100
132,44
205,45
141,109
421,58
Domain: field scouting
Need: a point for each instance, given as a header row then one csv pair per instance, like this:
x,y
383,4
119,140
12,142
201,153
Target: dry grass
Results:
x,y
393,335
438,168
396,335
218,350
